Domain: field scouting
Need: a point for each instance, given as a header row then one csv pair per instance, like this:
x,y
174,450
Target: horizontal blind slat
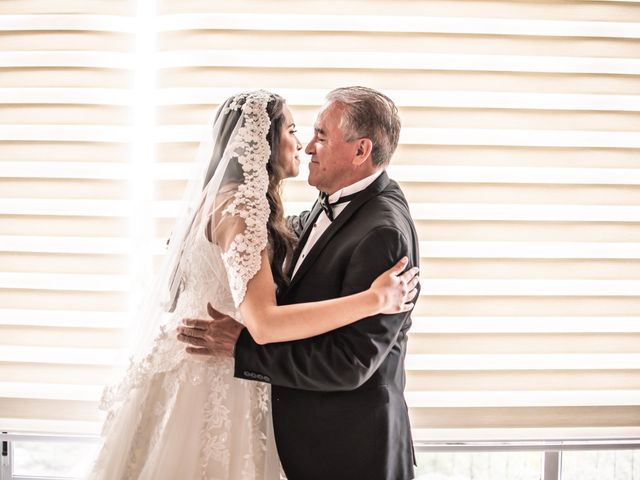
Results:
x,y
525,324
459,136
398,60
393,23
564,434
421,98
64,318
523,398
65,281
523,361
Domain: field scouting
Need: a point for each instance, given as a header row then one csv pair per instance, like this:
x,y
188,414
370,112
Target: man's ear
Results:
x,y
363,151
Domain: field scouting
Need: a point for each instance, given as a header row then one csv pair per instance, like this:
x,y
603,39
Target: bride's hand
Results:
x,y
395,289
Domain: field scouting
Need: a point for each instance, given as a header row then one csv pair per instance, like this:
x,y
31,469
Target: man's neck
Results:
x,y
356,185
348,183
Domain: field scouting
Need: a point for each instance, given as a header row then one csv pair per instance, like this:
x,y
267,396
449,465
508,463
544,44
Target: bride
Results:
x,y
177,416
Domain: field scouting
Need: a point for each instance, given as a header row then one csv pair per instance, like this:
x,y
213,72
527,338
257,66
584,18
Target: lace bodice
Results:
x,y
204,281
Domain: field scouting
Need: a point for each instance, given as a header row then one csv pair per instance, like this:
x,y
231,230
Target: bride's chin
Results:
x,y
295,171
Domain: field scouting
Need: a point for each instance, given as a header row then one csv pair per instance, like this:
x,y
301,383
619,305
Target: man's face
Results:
x,y
331,166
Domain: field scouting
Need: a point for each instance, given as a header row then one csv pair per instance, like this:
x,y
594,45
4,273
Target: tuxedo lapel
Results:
x,y
372,190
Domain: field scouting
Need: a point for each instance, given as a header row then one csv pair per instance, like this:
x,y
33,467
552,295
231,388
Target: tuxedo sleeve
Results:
x,y
347,357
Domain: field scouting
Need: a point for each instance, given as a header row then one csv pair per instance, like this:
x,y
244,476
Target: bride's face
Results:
x,y
289,146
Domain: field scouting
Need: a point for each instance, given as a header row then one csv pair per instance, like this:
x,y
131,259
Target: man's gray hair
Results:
x,y
368,113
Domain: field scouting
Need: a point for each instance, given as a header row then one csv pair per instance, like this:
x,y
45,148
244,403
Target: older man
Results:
x,y
338,405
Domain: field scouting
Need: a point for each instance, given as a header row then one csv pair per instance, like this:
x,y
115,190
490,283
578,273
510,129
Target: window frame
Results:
x,y
552,449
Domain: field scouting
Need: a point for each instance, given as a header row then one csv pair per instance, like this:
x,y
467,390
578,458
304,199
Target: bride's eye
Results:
x,y
293,132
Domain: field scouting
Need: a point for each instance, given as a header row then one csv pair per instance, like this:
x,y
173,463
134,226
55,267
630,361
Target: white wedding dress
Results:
x,y
177,416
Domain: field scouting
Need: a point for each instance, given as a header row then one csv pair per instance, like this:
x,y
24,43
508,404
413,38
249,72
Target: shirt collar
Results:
x,y
355,187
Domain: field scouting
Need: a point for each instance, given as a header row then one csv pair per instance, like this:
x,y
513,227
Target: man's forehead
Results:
x,y
329,113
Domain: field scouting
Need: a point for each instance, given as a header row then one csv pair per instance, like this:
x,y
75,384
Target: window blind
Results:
x,y
519,155
66,80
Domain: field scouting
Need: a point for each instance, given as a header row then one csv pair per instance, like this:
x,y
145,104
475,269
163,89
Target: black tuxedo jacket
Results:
x,y
338,405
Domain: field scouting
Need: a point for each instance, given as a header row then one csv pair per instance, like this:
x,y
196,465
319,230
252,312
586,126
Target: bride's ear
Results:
x,y
363,151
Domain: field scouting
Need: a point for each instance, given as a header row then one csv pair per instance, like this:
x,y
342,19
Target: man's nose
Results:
x,y
309,148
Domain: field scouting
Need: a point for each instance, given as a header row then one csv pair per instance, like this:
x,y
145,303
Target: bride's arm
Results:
x,y
268,322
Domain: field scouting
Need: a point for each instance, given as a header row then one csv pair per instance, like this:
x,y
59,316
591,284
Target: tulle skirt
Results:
x,y
194,421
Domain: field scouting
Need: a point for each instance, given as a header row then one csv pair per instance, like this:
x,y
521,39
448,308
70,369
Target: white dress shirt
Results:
x,y
323,222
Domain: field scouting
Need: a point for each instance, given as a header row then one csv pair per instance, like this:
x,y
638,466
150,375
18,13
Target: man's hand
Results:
x,y
216,337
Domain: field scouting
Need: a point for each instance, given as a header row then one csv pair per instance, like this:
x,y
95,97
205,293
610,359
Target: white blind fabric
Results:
x,y
519,154
65,140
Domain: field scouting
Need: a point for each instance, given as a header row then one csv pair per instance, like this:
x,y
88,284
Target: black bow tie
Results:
x,y
327,206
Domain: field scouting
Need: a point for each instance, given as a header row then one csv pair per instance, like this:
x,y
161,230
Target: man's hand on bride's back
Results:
x,y
216,336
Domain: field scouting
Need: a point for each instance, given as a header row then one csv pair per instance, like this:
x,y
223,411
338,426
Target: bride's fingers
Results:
x,y
410,274
406,307
411,294
399,266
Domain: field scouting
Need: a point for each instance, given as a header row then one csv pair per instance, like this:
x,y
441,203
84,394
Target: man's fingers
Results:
x,y
196,323
199,351
199,342
215,314
206,351
191,332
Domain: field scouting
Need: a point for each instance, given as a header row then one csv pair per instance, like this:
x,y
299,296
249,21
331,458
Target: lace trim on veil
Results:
x,y
251,149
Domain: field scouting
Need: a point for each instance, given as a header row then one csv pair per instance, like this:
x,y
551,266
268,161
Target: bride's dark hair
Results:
x,y
281,239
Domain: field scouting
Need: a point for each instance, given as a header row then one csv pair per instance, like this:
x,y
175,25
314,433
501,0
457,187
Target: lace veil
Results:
x,y
226,205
